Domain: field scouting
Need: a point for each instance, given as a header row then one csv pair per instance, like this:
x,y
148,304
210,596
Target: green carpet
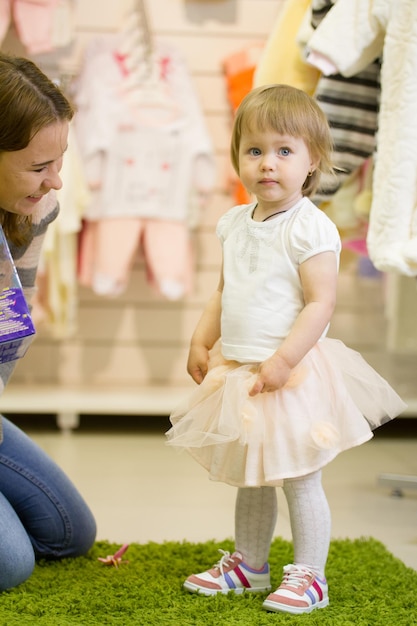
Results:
x,y
368,586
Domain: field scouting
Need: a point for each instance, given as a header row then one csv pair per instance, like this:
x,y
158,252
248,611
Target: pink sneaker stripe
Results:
x,y
242,577
318,589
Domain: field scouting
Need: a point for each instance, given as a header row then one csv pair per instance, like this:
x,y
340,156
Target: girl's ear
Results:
x,y
314,163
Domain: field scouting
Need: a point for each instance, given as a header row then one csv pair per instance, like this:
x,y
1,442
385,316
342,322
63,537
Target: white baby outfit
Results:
x,y
333,398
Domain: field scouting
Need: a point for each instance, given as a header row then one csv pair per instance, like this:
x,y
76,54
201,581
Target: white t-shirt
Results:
x,y
262,293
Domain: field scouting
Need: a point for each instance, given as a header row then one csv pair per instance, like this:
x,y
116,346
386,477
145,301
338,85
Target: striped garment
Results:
x,y
26,259
351,105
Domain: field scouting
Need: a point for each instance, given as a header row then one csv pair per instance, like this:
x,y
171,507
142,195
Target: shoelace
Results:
x,y
225,561
295,576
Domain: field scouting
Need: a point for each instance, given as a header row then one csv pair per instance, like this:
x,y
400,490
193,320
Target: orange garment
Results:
x,y
239,70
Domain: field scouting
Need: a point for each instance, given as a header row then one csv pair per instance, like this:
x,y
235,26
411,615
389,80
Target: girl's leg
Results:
x,y
310,521
304,587
255,520
55,517
247,568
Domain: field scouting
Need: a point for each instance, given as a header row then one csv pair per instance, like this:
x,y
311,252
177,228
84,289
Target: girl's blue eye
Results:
x,y
284,151
254,151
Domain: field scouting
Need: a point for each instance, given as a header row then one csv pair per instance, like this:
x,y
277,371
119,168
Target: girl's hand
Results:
x,y
272,375
197,364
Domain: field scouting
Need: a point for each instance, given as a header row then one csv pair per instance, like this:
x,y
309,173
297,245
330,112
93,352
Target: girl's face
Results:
x,y
27,175
274,168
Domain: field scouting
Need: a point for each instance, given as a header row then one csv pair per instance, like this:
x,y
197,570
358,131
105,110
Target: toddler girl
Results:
x,y
277,400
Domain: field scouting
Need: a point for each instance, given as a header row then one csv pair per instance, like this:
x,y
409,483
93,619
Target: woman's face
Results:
x,y
27,175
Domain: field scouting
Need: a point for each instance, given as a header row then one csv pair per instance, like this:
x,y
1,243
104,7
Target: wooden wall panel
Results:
x,y
138,342
140,338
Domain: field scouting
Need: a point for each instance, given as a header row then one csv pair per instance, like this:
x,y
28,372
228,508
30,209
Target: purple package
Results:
x,y
16,325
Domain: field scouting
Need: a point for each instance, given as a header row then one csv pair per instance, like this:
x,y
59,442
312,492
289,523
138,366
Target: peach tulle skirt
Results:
x,y
332,402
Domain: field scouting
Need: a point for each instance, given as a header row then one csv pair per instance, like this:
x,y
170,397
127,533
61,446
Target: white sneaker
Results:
x,y
301,591
229,574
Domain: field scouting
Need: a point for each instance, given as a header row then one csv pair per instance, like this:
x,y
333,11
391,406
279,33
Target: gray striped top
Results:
x,y
26,259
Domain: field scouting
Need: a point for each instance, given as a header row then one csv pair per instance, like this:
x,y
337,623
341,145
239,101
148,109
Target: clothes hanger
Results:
x,y
137,59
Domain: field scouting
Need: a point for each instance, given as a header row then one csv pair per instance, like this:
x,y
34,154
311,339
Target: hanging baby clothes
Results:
x,y
351,105
147,156
41,25
282,59
109,247
351,37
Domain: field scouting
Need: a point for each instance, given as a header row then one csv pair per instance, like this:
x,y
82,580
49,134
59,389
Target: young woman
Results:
x,y
42,515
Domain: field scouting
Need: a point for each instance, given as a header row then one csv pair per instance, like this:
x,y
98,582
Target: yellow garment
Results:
x,y
282,61
340,207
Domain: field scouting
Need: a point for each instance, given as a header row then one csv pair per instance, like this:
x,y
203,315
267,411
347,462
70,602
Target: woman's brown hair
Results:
x,y
29,101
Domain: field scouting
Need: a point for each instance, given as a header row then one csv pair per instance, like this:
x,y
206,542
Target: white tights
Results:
x,y
256,516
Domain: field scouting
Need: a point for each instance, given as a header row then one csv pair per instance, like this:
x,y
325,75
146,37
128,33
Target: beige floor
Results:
x,y
141,490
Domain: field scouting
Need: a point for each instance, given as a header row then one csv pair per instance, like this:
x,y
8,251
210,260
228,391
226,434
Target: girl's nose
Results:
x,y
267,162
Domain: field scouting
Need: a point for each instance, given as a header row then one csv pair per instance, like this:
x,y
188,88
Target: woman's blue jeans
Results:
x,y
42,515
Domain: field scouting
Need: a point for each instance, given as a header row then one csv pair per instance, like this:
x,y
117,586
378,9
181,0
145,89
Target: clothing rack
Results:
x,y
397,482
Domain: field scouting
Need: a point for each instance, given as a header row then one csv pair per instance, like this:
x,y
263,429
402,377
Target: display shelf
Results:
x,y
68,403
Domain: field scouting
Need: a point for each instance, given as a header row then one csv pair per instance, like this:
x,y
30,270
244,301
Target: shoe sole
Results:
x,y
205,591
268,605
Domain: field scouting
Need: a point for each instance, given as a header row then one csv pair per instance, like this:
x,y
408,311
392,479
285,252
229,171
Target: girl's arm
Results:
x,y
206,334
319,280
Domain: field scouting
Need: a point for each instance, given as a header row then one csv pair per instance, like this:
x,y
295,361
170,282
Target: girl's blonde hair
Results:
x,y
287,111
